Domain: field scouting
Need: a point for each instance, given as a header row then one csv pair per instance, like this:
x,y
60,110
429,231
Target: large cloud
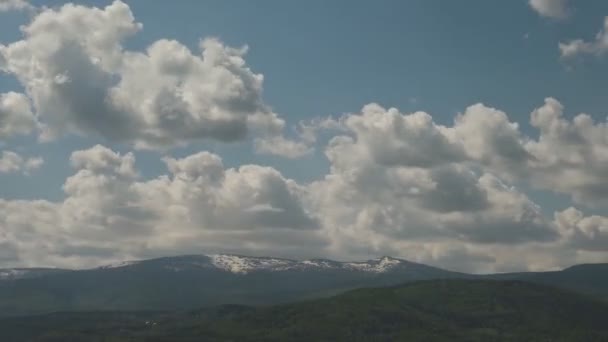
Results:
x,y
109,212
401,176
398,184
402,184
450,213
568,156
81,79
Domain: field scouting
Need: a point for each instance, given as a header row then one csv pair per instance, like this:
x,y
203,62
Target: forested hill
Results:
x,y
437,310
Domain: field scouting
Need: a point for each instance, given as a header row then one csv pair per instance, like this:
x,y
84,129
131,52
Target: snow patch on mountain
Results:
x,y
376,266
243,265
119,264
319,263
13,274
235,264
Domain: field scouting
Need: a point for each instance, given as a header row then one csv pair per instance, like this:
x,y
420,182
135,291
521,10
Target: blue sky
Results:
x,y
329,58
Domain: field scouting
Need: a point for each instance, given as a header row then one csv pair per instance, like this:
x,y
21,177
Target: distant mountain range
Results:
x,y
195,281
236,264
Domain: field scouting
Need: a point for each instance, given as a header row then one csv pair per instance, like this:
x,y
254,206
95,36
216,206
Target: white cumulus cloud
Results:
x,y
578,47
109,212
12,162
556,9
81,79
398,183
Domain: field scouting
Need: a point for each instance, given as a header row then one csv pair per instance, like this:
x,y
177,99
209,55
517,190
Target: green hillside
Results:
x,y
589,278
439,310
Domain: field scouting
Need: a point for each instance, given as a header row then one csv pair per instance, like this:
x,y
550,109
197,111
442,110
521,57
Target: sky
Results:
x,y
471,136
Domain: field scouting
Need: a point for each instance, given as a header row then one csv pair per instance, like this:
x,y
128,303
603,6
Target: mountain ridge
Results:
x,y
193,281
231,262
240,264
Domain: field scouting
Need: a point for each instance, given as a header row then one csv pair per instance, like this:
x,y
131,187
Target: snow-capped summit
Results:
x,y
239,264
200,281
243,265
119,264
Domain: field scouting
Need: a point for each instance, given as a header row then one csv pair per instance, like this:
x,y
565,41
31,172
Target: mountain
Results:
x,y
586,278
188,282
438,310
195,281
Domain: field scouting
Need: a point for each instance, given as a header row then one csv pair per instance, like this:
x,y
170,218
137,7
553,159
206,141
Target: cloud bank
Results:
x,y
397,184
